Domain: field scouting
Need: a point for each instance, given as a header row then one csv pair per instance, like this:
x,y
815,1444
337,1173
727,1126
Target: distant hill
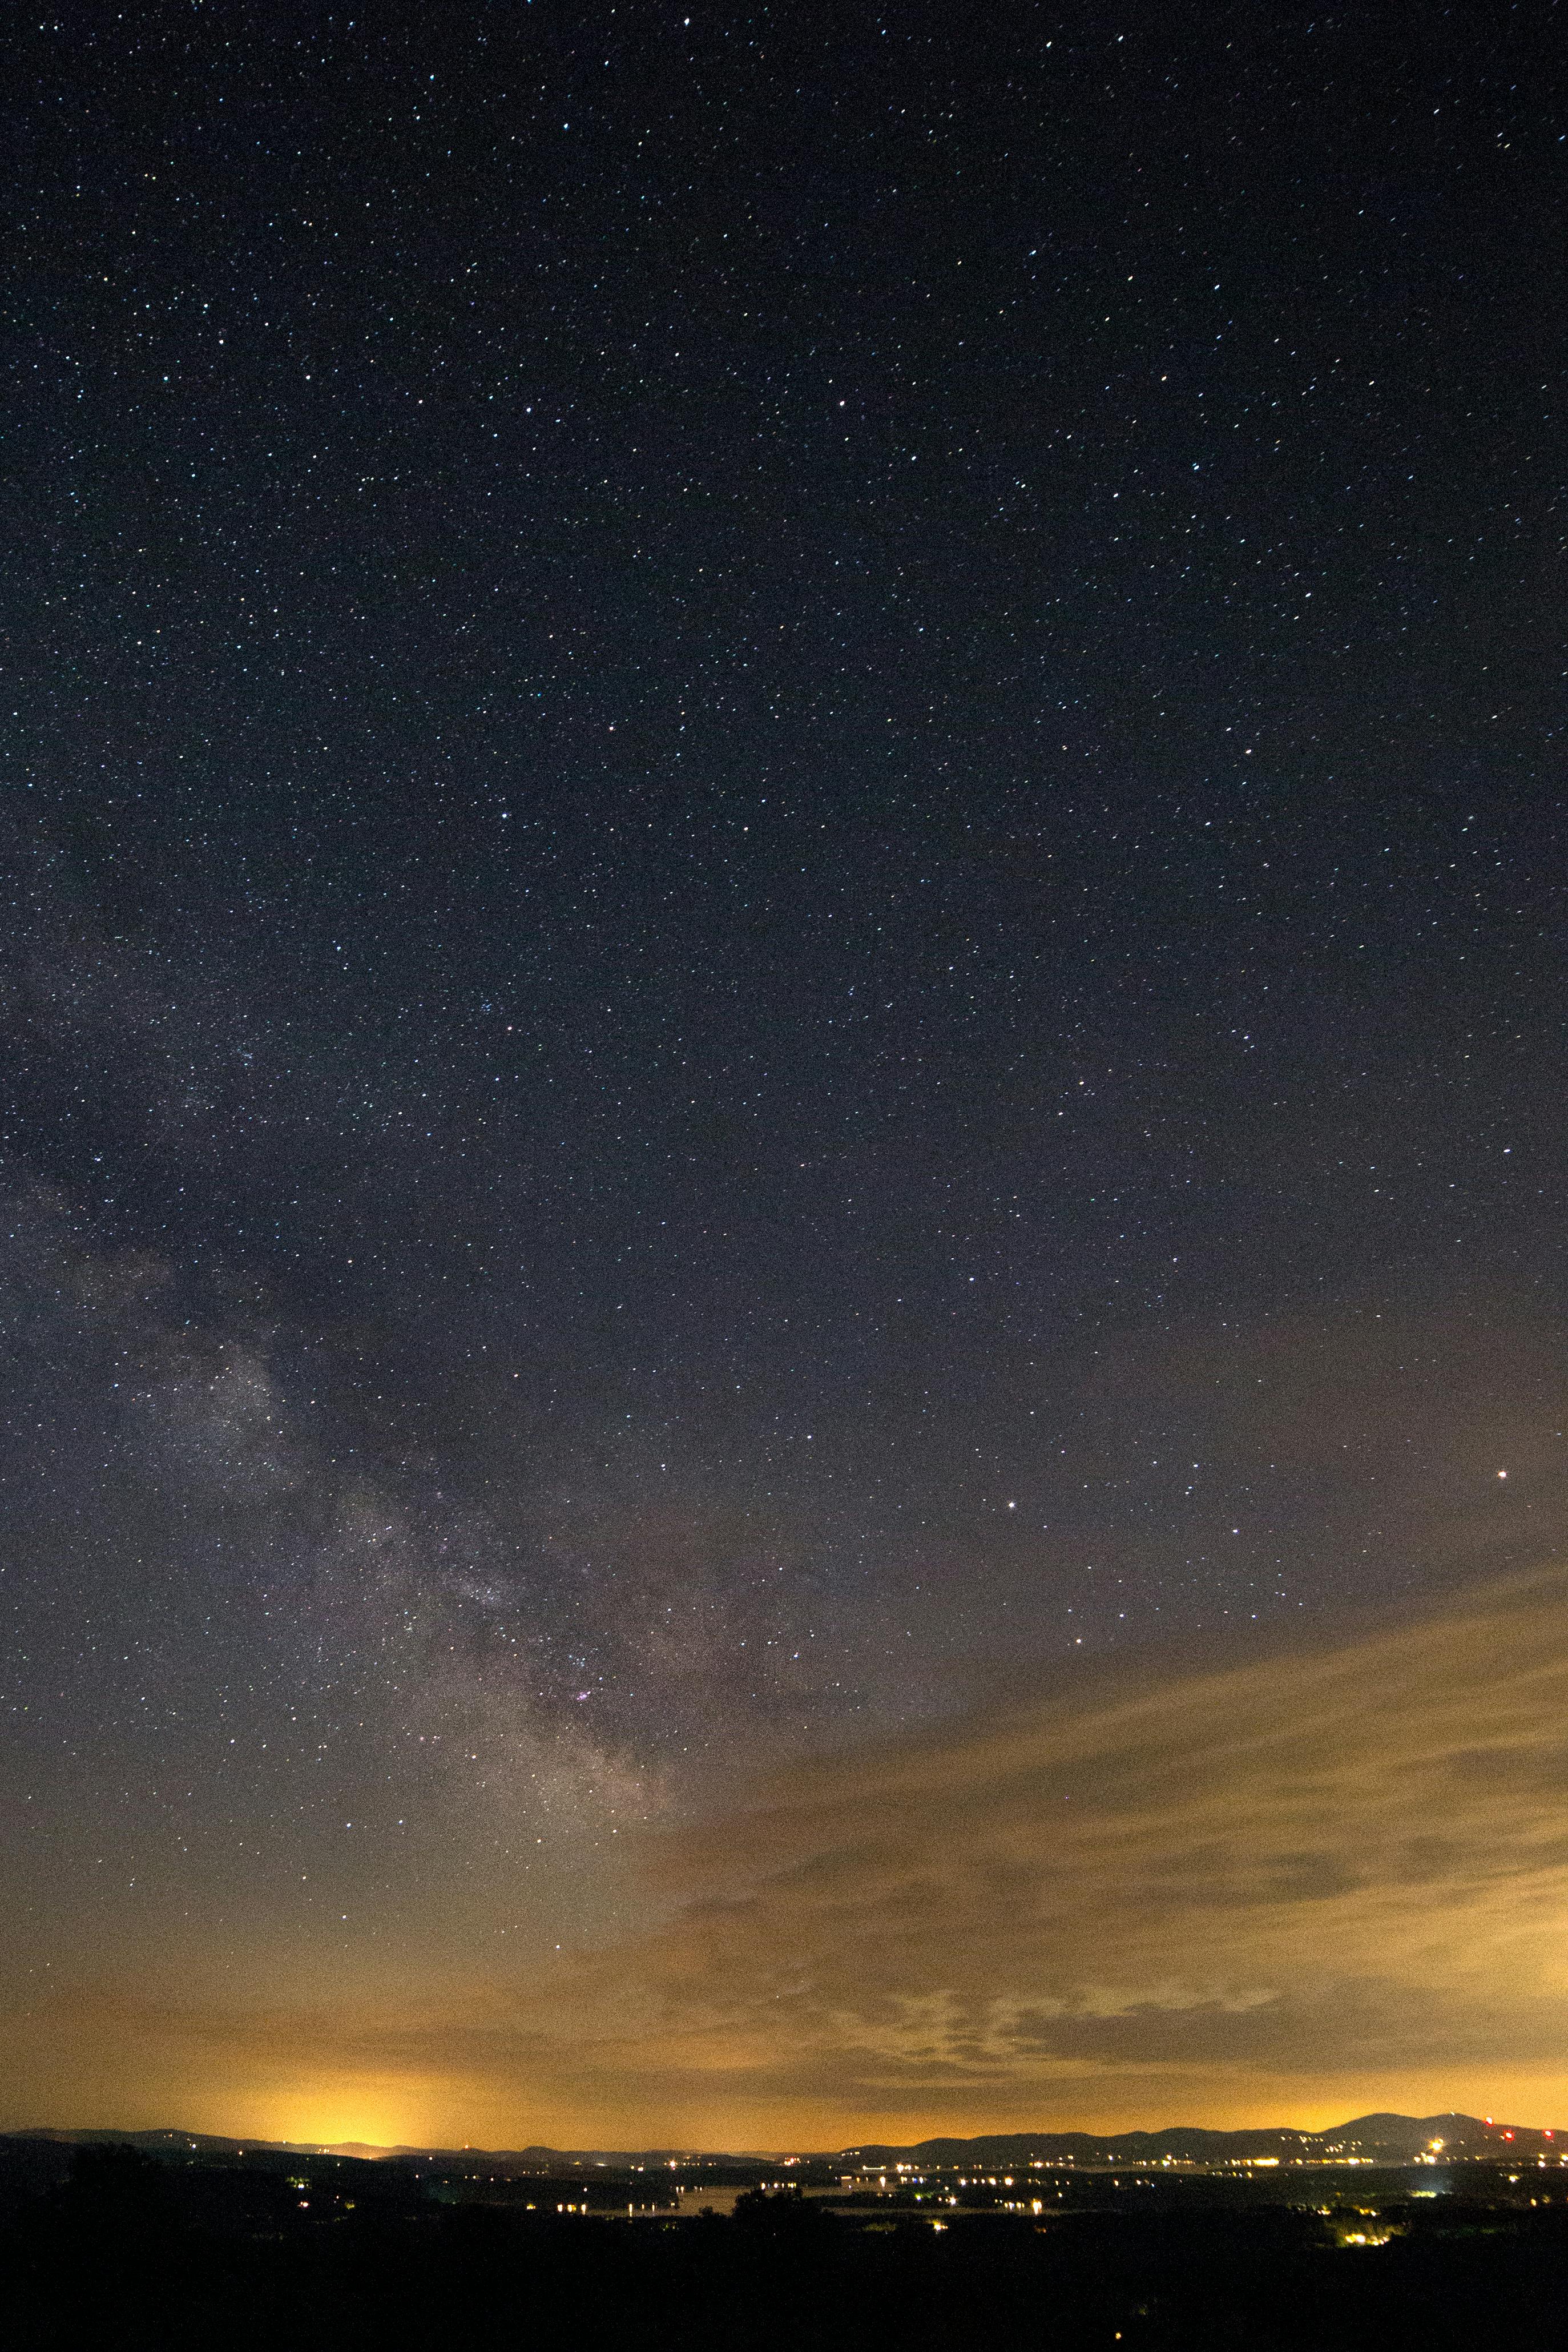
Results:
x,y
170,2141
1374,2140
1378,2139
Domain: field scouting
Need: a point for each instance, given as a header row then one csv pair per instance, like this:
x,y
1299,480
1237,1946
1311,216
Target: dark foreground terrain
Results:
x,y
118,2251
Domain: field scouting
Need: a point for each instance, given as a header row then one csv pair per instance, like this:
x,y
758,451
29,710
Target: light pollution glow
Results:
x,y
1281,1888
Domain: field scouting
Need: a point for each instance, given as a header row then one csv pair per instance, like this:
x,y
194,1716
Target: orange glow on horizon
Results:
x,y
1276,1891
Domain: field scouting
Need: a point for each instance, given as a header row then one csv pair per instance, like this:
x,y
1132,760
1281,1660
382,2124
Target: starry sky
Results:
x,y
782,1007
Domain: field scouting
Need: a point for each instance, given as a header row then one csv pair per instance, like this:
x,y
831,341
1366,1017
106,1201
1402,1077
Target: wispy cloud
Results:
x,y
1216,1891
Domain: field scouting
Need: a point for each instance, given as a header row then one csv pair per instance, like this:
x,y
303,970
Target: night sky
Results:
x,y
782,1002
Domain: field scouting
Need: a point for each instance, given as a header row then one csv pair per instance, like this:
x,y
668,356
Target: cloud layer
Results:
x,y
1219,1891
